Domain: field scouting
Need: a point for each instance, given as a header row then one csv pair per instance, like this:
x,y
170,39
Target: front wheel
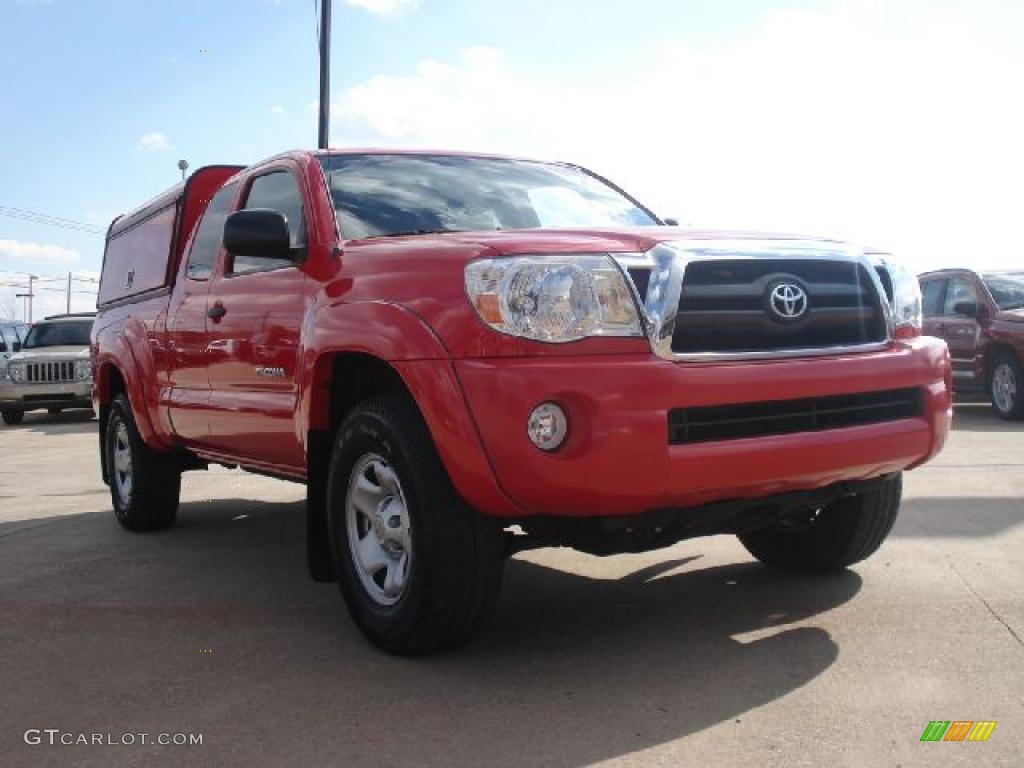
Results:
x,y
836,536
1005,385
418,569
12,416
144,484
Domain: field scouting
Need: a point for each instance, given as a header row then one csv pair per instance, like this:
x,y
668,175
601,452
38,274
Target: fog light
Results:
x,y
547,426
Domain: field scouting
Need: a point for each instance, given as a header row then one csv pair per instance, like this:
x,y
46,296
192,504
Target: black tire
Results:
x,y
151,502
54,411
457,556
1006,376
12,416
843,533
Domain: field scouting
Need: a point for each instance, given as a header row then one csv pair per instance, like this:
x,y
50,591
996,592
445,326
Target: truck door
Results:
x,y
961,329
255,313
188,399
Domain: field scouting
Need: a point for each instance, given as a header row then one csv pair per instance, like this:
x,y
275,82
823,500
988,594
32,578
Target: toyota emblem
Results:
x,y
787,301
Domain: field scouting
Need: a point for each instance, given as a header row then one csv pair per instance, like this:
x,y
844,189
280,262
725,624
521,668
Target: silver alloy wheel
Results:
x,y
1004,387
122,459
377,521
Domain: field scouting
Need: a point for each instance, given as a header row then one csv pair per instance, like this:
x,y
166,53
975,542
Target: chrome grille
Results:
x,y
725,306
57,371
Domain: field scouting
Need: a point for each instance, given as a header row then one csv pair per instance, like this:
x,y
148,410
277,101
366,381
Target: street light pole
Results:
x,y
325,72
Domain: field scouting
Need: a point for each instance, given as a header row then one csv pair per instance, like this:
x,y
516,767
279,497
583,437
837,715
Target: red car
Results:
x,y
463,356
981,317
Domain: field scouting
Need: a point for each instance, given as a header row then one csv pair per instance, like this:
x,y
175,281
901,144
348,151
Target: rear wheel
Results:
x,y
419,570
144,484
834,537
1005,387
12,416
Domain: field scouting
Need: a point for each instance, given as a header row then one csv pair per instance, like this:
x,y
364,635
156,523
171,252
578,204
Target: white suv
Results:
x,y
51,371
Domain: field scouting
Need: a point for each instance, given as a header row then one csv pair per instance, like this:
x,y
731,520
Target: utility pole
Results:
x,y
325,72
69,293
28,298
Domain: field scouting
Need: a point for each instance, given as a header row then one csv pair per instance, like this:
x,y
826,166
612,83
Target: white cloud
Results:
x,y
384,7
29,254
277,109
453,104
868,120
154,142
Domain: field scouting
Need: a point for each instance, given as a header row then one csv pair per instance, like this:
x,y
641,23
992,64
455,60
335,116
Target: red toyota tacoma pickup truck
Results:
x,y
464,356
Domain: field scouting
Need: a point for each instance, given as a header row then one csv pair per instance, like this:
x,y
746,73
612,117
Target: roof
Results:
x,y
158,203
72,316
972,271
944,270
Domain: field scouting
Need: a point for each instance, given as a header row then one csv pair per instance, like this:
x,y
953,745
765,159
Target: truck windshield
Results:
x,y
1007,290
68,334
382,195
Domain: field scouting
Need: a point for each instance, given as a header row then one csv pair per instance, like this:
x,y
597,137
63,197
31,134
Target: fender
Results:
x,y
126,349
396,335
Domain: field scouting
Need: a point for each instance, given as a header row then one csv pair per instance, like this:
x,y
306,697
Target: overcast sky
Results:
x,y
897,123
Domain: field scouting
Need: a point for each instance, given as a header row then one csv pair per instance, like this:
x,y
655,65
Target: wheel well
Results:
x,y
111,384
347,379
340,382
992,353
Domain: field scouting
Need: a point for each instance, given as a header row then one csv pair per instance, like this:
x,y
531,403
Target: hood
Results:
x,y
1011,315
603,240
50,353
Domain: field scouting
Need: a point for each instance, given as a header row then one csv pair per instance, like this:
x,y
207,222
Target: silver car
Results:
x,y
51,371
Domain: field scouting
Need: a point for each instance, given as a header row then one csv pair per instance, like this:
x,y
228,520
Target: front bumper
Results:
x,y
27,397
618,460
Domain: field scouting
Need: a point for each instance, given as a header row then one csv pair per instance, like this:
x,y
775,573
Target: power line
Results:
x,y
14,211
35,217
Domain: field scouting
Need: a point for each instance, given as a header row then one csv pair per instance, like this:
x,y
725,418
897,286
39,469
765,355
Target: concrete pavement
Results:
x,y
689,656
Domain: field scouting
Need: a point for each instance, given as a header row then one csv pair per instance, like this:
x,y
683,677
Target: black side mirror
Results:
x,y
966,308
259,233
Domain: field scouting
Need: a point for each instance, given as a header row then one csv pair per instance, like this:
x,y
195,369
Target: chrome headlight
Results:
x,y
906,295
83,370
16,372
553,298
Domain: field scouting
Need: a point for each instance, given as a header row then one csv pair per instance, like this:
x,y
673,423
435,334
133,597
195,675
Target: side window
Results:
x,y
278,191
206,243
931,296
960,289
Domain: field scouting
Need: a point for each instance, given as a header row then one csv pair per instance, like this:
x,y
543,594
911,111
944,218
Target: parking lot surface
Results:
x,y
693,655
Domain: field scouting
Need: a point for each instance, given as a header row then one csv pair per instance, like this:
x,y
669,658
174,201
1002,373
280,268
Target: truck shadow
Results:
x,y
214,627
